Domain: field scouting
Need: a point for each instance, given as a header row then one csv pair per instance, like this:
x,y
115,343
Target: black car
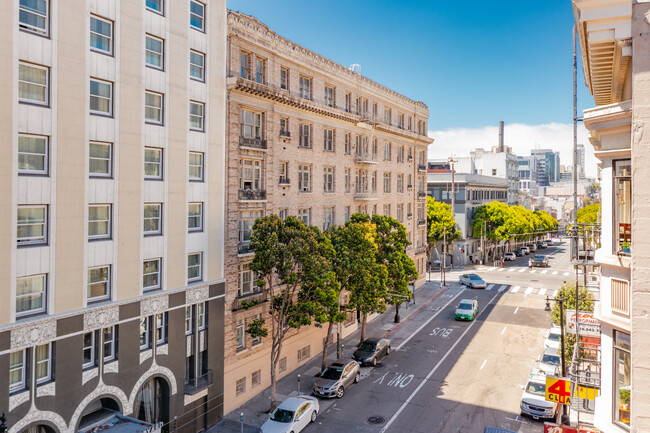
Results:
x,y
540,261
371,351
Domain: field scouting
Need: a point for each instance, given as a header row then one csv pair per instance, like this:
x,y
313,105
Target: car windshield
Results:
x,y
282,415
554,337
536,388
539,258
332,373
465,306
474,277
551,359
367,347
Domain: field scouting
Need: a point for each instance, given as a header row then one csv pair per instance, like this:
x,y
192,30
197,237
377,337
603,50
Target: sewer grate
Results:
x,y
376,420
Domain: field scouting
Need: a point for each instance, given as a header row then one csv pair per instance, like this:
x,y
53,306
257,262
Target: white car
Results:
x,y
509,256
533,401
472,281
553,338
550,363
293,415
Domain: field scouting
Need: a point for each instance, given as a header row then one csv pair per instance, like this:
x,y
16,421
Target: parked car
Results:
x,y
336,378
549,242
293,415
531,247
545,244
509,256
550,363
467,310
521,252
553,338
371,351
526,250
540,261
540,245
533,401
472,281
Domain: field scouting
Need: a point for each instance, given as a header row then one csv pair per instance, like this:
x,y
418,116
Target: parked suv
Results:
x,y
540,261
533,401
336,378
509,256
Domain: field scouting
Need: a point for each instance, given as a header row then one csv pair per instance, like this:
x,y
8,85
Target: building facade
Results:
x,y
528,167
113,189
503,164
614,40
312,139
548,168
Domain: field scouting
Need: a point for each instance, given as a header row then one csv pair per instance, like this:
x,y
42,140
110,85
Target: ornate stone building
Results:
x,y
310,138
112,119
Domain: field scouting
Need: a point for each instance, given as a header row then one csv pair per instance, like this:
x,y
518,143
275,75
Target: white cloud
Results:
x,y
520,137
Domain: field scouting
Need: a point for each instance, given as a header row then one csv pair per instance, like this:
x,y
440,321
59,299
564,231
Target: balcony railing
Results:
x,y
252,194
409,215
422,167
197,384
422,194
422,222
244,247
366,158
365,195
250,300
284,181
285,134
420,250
255,143
409,187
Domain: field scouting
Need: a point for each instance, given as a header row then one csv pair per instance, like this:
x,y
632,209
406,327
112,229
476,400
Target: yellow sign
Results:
x,y
588,393
558,390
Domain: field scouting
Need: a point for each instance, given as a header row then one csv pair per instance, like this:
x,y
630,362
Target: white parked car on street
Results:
x,y
550,363
533,401
553,338
472,281
509,256
293,415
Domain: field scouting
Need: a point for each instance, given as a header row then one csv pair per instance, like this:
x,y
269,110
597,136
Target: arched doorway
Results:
x,y
152,401
98,412
39,428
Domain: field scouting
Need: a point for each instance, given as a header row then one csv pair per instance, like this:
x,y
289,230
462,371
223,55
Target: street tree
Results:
x,y
440,225
589,214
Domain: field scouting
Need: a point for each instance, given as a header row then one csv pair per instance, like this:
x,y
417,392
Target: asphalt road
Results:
x,y
457,377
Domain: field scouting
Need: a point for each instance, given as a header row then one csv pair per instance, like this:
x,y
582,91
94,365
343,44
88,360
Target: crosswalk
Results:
x,y
526,291
522,270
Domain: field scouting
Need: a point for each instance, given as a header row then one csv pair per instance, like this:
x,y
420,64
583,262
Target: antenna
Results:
x,y
355,67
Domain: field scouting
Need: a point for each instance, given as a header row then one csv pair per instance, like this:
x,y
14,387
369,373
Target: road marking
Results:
x,y
544,271
555,294
566,274
489,287
522,270
512,270
542,291
433,370
428,321
528,291
532,271
490,269
503,330
501,269
516,309
483,365
502,288
554,273
515,289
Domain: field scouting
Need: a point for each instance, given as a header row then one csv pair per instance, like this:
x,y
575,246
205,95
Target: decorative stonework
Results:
x,y
16,400
89,374
153,371
33,334
101,318
36,416
146,354
111,367
154,305
196,294
47,390
101,390
162,350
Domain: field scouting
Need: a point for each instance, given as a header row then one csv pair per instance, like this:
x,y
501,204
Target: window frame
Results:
x,y
159,231
45,32
201,116
304,135
161,109
201,315
284,81
199,228
108,175
112,356
161,53
161,329
110,38
200,28
92,351
189,320
195,65
43,294
158,273
199,266
159,164
305,214
160,11
45,156
144,343
329,140
304,178
23,369
329,179
616,182
257,130
109,222
48,361
99,97
46,102
106,282
305,87
201,167
240,347
40,240
329,98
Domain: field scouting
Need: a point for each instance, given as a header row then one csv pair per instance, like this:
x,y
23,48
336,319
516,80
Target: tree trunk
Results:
x,y
363,328
323,363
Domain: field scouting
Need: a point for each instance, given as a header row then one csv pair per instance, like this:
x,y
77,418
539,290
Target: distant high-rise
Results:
x,y
549,166
581,161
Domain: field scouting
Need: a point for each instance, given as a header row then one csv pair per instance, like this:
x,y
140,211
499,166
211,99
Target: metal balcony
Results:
x,y
250,300
254,143
244,247
252,194
365,195
409,187
422,222
422,167
285,134
284,181
422,194
366,158
197,384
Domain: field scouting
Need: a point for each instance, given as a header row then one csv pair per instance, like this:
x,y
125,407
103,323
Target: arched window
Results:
x,y
152,401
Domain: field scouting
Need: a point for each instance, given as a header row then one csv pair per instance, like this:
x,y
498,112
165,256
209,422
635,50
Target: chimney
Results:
x,y
501,147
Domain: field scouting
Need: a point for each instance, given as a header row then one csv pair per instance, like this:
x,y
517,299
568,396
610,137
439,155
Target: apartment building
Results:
x,y
614,42
309,138
112,119
499,161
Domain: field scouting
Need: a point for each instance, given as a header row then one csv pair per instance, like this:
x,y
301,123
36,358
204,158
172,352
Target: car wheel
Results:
x,y
374,362
357,377
340,392
313,416
388,350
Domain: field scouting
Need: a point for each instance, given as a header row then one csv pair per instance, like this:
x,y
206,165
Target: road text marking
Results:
x,y
483,365
516,309
503,330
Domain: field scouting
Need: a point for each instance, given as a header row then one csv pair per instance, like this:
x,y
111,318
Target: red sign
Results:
x,y
550,427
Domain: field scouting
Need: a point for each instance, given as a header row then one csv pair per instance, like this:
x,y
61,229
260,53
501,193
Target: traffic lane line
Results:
x,y
483,365
416,311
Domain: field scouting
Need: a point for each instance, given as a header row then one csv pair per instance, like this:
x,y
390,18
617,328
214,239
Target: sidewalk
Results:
x,y
255,410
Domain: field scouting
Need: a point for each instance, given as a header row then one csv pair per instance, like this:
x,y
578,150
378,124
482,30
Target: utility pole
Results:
x,y
452,161
444,256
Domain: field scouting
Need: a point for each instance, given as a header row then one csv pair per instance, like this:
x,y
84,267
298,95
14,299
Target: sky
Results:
x,y
473,63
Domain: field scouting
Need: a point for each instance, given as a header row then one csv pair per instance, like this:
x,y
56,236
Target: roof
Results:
x,y
466,301
467,178
551,351
372,340
293,403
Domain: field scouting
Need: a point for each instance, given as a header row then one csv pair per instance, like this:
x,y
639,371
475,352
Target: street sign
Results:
x,y
558,390
588,325
588,393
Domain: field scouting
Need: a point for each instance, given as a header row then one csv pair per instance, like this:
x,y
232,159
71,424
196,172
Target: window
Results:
x,y
197,65
387,209
151,274
33,16
494,172
400,154
251,124
246,221
245,61
284,78
197,13
259,70
622,378
155,5
400,183
32,225
31,295
303,354
189,320
305,87
101,35
99,283
32,154
17,371
623,207
194,267
144,333
153,218
250,172
328,217
195,217
109,343
153,107
387,182
99,221
154,52
348,102
240,386
257,340
347,141
247,283
304,178
284,172
196,116
100,159
328,179
101,97
153,163
329,96
200,315
284,127
400,120
33,84
283,214
347,179
387,151
282,365
387,116
347,214
196,166
89,350
256,378
304,133
400,213
43,363
304,215
241,339
161,328
328,140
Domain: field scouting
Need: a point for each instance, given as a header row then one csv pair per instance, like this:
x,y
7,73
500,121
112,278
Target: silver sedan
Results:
x,y
472,281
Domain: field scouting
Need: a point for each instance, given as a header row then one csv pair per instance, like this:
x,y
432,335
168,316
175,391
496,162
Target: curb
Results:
x,y
415,312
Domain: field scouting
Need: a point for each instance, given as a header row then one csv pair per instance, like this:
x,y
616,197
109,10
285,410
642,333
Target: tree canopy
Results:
x,y
589,214
501,222
440,222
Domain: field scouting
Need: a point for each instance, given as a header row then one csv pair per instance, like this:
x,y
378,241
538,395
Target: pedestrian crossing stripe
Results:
x,y
491,269
566,274
532,271
542,291
522,270
489,287
555,294
515,289
544,271
529,291
501,269
512,270
554,272
502,288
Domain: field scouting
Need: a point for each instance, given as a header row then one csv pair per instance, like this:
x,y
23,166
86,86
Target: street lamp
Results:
x,y
565,415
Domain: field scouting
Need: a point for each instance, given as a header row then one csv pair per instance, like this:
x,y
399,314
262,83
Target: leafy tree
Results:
x,y
568,292
292,261
589,214
440,225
